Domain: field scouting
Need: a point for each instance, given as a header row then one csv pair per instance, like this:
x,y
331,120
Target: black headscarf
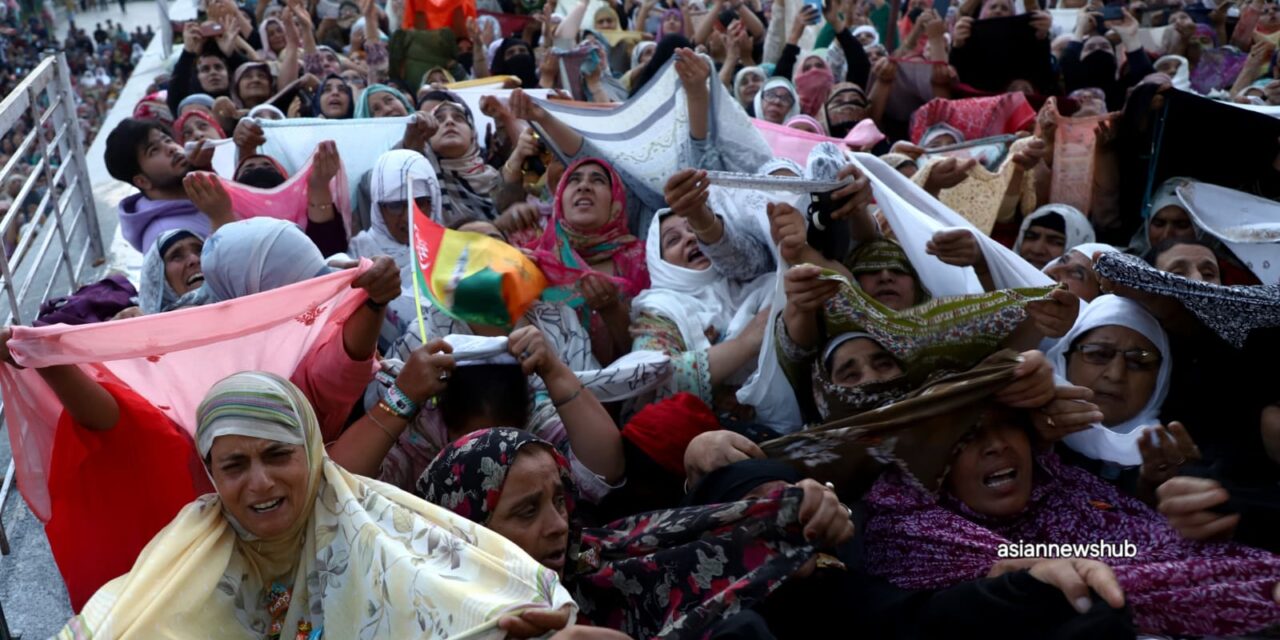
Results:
x,y
522,66
732,482
316,99
666,49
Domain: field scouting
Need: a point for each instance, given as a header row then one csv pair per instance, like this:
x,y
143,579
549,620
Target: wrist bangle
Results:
x,y
704,231
571,398
398,403
383,427
376,306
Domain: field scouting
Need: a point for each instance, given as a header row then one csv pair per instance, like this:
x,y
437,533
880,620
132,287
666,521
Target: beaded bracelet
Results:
x,y
399,403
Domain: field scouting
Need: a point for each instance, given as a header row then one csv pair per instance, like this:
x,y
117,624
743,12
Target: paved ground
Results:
x,y
31,591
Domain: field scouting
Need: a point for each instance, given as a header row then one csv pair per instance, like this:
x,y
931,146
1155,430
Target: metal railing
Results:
x,y
50,241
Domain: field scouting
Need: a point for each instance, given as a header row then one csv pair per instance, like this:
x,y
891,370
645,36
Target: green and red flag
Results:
x,y
470,276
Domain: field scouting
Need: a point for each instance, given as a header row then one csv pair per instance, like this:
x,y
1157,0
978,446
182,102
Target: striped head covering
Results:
x,y
881,254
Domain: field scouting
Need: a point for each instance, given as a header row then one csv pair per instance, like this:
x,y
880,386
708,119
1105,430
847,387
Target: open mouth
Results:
x,y
1000,479
584,202
694,255
266,507
554,561
195,279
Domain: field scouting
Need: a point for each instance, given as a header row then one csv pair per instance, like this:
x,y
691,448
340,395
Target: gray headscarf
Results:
x,y
155,295
256,255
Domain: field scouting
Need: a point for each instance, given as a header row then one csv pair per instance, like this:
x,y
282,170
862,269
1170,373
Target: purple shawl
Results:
x,y
142,219
1175,586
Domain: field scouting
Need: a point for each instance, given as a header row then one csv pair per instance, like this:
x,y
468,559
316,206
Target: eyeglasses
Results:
x,y
779,96
1134,359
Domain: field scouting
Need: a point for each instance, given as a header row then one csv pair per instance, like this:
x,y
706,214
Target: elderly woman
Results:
x,y
398,176
518,486
590,257
997,496
1191,258
282,513
1119,352
777,101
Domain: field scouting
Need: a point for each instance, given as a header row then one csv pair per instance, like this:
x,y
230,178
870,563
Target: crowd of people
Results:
x,y
862,307
100,64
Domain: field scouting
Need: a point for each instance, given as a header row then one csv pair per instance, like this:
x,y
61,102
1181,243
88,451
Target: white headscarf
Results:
x,y
386,184
697,300
1077,227
866,28
1165,196
758,101
639,50
1117,443
1181,78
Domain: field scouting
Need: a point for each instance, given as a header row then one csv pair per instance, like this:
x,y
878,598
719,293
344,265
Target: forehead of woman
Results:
x,y
253,404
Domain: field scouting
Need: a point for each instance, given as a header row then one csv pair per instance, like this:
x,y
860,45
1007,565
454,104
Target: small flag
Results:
x,y
472,277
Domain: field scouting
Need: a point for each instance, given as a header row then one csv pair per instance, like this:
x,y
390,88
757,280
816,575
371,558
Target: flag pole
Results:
x,y
413,252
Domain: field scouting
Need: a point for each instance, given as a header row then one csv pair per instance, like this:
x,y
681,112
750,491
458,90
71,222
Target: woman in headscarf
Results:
x,y
271,34
285,513
382,101
388,234
997,497
334,100
641,54
195,126
844,109
712,326
746,84
606,19
672,23
881,268
1166,219
777,101
806,124
489,477
251,85
813,80
590,257
468,183
1121,353
514,57
1075,269
171,274
1051,231
867,35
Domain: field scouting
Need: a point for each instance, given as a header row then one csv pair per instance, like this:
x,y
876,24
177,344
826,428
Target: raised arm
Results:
x,y
593,436
523,106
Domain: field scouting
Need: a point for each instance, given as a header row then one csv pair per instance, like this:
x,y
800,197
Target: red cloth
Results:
x,y
664,429
975,117
439,12
112,491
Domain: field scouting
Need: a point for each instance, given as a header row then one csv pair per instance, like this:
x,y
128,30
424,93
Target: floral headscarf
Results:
x,y
738,551
467,476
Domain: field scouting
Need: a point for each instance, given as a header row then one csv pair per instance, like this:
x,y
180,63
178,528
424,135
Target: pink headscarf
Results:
x,y
153,106
809,120
200,115
566,254
814,85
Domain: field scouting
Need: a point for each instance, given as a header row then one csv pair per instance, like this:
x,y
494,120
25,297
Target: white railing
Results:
x,y
57,247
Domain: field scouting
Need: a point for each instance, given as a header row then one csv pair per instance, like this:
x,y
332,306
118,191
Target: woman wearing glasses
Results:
x,y
1121,354
777,101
